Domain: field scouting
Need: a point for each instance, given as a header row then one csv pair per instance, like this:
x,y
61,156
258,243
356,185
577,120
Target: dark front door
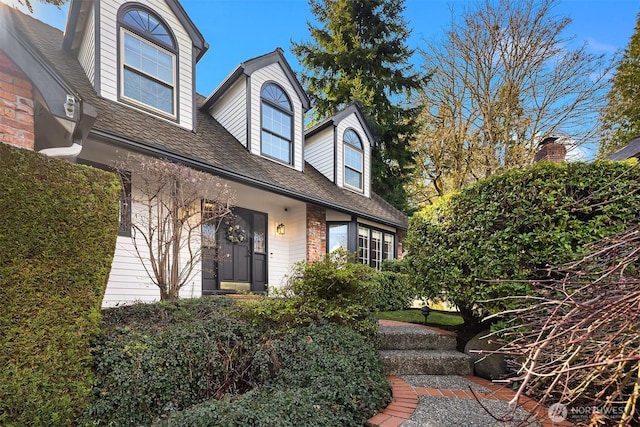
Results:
x,y
240,264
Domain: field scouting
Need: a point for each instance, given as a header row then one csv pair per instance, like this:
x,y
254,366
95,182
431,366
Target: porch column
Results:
x,y
316,232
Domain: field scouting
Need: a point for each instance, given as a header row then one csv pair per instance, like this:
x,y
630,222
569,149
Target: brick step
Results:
x,y
413,338
426,362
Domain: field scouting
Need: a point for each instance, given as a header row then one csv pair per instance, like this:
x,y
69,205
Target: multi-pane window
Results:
x,y
363,245
148,56
388,251
353,159
376,249
373,244
277,123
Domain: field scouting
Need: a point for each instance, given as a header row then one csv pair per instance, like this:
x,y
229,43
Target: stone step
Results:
x,y
426,362
414,338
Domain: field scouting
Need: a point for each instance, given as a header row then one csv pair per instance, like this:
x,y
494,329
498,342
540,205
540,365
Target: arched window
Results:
x,y
147,61
353,160
277,123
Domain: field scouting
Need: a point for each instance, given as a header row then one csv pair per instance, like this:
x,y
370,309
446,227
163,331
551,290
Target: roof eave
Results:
x,y
143,148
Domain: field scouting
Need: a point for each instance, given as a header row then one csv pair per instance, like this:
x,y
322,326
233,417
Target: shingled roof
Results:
x,y
211,147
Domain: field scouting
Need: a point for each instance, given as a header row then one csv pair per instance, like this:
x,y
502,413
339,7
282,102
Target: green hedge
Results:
x,y
514,225
394,290
58,226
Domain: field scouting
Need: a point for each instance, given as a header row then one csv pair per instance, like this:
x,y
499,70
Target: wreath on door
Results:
x,y
235,234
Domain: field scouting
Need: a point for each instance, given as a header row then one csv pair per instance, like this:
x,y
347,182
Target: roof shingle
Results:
x,y
211,146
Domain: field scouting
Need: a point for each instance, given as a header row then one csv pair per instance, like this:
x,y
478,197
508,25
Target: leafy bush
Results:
x,y
156,358
477,244
326,376
191,363
334,289
58,227
393,289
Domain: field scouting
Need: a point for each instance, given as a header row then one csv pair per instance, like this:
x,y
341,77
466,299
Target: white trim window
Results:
x,y
277,124
147,62
353,160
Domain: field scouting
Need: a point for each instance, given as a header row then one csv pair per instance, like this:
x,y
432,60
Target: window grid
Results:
x,y
376,249
388,247
363,245
147,70
277,124
353,159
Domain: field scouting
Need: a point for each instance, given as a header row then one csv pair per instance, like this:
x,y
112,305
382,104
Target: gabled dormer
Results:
x,y
262,104
340,148
141,54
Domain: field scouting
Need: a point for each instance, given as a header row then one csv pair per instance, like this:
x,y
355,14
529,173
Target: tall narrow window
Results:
x,y
389,246
338,237
376,249
353,160
363,245
147,61
277,124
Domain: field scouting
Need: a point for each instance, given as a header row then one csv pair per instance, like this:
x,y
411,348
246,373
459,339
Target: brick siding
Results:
x,y
16,106
552,152
316,232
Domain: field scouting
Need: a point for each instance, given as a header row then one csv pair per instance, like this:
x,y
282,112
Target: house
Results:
x,y
121,79
631,150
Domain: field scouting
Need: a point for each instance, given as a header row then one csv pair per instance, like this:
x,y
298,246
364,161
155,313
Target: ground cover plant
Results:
x,y
288,361
488,240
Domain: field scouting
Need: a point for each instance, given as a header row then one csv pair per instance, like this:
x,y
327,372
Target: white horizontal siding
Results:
x,y
231,110
283,251
87,51
319,152
109,54
275,73
129,282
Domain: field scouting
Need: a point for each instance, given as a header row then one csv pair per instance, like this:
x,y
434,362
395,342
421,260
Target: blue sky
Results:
x,y
237,30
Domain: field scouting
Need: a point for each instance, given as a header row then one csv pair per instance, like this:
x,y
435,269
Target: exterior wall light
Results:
x,y
69,106
280,229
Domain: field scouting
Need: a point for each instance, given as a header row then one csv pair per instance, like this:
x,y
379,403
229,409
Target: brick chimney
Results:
x,y
16,106
550,150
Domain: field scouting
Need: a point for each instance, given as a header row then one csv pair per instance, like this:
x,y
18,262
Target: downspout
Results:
x,y
70,152
87,115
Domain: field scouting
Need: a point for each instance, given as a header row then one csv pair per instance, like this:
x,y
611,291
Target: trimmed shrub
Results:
x,y
326,376
394,291
58,227
475,245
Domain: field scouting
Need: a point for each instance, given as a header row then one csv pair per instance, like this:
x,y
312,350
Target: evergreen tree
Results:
x,y
358,53
621,117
